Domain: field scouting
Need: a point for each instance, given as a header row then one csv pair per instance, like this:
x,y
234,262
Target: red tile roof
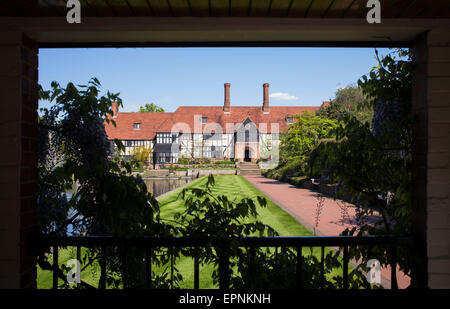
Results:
x,y
183,119
124,125
325,104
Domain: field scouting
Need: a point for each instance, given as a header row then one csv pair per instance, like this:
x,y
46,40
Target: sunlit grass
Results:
x,y
234,187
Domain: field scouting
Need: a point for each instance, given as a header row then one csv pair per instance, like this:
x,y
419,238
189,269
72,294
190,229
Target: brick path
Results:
x,y
302,204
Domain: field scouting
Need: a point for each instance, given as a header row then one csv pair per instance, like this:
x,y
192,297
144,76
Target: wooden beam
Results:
x,y
319,8
308,8
95,8
170,30
120,7
289,8
338,8
439,8
180,8
140,7
130,7
26,7
348,8
219,8
110,7
299,8
280,8
161,8
259,8
200,8
357,9
6,9
328,8
393,9
137,44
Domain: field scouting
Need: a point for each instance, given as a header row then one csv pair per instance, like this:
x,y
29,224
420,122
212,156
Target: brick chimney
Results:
x,y
226,103
115,109
265,106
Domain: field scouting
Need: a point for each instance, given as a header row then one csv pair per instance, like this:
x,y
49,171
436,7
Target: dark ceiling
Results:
x,y
229,8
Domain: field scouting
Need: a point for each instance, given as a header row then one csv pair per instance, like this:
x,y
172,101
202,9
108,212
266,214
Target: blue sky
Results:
x,y
171,77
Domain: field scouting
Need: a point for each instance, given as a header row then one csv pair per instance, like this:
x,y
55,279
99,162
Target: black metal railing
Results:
x,y
103,242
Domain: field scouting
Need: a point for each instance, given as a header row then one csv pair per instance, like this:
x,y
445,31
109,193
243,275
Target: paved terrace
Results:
x,y
302,204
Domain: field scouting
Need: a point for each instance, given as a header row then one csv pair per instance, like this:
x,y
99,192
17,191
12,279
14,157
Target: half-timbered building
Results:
x,y
243,133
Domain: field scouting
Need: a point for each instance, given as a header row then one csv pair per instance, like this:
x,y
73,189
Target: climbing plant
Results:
x,y
74,152
372,162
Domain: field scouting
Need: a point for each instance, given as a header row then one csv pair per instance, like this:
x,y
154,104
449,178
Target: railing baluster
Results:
x,y
252,267
224,275
79,260
148,267
124,267
322,267
171,269
299,268
102,283
55,267
221,248
367,284
196,270
345,268
276,258
394,285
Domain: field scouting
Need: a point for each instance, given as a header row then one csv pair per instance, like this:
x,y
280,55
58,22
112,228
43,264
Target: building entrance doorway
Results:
x,y
247,157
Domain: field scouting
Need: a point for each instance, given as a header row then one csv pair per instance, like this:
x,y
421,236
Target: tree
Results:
x,y
348,100
110,201
296,145
374,160
73,149
151,108
304,134
224,221
142,154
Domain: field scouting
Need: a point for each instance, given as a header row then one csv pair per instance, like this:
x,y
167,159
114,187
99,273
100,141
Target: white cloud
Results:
x,y
283,96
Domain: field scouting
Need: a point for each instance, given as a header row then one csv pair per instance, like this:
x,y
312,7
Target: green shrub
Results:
x,y
224,162
204,161
293,168
297,181
183,161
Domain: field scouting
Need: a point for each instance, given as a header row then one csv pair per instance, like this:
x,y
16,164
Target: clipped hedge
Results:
x,y
224,162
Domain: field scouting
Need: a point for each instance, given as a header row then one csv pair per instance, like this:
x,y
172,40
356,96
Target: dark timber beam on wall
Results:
x,y
227,44
210,31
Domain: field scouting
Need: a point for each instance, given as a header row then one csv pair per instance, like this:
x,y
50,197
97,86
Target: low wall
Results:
x,y
206,172
188,173
156,173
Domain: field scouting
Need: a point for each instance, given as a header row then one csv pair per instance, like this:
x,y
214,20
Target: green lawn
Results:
x,y
235,187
